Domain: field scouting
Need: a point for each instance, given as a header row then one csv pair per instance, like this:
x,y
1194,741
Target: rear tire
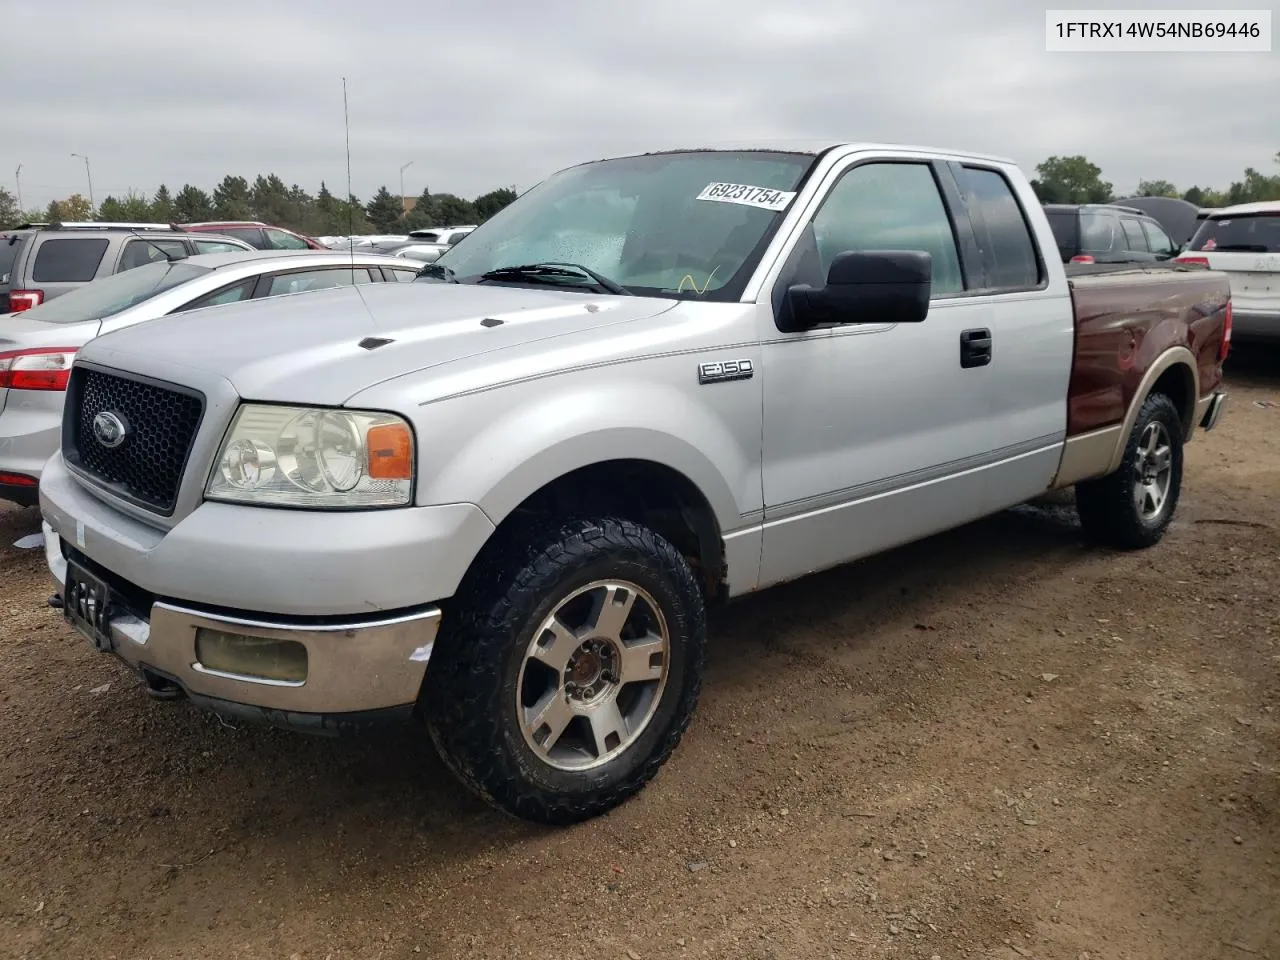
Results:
x,y
1132,508
567,668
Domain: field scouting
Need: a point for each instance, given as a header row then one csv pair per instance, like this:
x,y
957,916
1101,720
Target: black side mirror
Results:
x,y
878,286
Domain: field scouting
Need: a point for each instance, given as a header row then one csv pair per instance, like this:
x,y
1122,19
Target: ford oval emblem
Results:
x,y
110,429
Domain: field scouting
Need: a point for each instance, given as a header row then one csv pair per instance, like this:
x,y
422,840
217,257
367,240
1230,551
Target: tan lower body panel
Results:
x,y
1089,455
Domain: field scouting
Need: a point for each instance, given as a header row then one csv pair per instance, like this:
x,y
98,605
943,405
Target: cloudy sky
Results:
x,y
492,93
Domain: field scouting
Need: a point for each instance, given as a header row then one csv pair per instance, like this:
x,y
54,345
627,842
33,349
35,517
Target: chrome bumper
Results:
x,y
352,668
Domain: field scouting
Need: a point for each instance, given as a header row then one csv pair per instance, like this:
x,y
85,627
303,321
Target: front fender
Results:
x,y
504,445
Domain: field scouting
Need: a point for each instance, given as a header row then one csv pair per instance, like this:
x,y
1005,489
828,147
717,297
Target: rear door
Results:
x,y
1247,248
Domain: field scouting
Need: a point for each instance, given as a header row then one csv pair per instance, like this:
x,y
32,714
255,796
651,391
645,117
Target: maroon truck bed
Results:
x,y
1125,319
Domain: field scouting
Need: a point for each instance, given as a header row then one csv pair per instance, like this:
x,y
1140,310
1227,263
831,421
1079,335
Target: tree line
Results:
x,y
268,199
1075,179
1068,179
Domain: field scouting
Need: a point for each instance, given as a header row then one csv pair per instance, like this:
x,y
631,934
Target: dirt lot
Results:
x,y
997,743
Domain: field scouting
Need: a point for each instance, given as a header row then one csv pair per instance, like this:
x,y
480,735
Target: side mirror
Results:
x,y
878,286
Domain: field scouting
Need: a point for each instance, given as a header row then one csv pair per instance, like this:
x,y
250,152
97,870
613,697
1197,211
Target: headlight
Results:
x,y
317,458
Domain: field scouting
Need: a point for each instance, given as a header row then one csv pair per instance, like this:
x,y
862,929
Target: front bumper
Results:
x,y
356,667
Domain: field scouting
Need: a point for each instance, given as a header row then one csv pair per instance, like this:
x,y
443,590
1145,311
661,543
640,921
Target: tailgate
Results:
x,y
1254,278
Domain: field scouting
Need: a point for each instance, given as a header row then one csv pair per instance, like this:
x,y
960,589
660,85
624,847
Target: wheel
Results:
x,y
567,669
1132,507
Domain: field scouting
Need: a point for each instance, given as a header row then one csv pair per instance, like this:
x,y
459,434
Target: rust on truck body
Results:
x,y
1125,320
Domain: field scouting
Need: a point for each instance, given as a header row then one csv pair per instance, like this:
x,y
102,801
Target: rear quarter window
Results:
x,y
68,259
1250,233
1100,233
1009,257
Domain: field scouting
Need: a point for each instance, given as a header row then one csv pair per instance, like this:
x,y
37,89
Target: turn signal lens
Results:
x,y
390,452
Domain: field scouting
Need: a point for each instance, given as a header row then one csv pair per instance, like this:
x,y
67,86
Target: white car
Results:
x,y
38,345
1243,242
425,246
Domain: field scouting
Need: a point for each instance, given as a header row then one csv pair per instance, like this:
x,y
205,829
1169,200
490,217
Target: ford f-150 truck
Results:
x,y
500,498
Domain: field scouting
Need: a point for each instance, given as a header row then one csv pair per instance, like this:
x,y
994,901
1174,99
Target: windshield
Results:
x,y
1250,233
690,224
110,295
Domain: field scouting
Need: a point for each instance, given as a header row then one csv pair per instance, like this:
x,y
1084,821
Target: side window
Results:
x,y
399,274
216,246
1100,232
250,235
279,240
1159,241
68,259
1133,235
307,280
138,253
235,292
889,206
1004,238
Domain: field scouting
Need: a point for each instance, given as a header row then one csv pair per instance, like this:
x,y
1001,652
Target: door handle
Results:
x,y
975,348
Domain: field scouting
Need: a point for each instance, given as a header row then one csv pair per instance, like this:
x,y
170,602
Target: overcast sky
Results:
x,y
501,92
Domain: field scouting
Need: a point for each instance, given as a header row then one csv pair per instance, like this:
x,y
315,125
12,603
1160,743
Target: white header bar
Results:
x,y
1158,31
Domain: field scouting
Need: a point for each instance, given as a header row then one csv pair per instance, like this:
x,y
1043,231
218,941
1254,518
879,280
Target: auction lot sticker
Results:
x,y
747,195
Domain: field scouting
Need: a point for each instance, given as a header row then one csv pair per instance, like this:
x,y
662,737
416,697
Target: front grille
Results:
x,y
161,421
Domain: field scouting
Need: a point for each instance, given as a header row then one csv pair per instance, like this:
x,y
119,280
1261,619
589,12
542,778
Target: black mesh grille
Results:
x,y
161,426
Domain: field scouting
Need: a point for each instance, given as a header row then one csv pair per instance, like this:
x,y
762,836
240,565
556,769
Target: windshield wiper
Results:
x,y
551,270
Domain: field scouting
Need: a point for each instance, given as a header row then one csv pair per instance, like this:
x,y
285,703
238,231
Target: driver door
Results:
x,y
877,434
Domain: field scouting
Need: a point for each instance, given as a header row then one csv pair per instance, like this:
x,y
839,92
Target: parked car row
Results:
x,y
423,246
1243,241
41,261
38,346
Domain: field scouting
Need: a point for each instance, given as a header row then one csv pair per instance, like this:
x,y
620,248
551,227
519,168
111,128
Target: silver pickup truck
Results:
x,y
500,498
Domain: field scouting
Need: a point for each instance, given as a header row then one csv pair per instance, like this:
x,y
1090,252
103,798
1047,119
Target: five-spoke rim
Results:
x,y
593,675
1154,469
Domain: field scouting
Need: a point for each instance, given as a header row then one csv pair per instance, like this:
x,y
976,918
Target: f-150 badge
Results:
x,y
720,371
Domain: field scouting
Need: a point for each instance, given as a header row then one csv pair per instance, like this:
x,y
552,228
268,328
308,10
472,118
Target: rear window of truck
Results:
x,y
1246,233
68,259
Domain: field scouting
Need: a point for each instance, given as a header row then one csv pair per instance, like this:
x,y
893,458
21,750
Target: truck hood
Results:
x,y
306,348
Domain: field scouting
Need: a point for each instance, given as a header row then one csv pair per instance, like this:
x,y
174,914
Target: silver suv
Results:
x,y
40,261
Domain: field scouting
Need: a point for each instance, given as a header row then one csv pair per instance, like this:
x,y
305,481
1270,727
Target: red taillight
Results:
x,y
1226,335
24,299
45,368
1082,258
17,480
1202,261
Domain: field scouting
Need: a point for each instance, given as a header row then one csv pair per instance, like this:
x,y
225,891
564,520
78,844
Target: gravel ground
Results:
x,y
998,743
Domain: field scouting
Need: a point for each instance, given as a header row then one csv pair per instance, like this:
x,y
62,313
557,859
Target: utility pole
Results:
x,y
89,177
17,176
404,206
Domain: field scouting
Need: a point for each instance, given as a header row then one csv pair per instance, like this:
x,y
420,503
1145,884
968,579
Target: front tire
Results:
x,y
1132,508
567,668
